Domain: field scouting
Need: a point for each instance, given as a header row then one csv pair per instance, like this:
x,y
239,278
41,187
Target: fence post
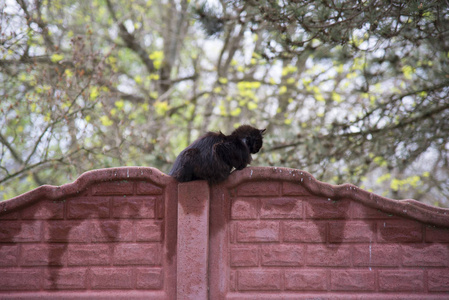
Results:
x,y
193,240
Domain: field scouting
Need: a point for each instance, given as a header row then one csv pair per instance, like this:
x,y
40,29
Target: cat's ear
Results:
x,y
262,130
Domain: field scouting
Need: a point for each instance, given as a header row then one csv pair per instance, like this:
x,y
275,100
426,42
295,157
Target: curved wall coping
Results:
x,y
407,208
86,179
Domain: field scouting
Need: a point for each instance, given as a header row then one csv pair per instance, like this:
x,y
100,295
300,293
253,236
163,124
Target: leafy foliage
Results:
x,y
352,91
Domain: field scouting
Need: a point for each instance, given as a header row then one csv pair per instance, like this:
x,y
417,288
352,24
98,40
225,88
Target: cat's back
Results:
x,y
207,141
203,148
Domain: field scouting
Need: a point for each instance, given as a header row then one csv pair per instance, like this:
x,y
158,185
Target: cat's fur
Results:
x,y
212,156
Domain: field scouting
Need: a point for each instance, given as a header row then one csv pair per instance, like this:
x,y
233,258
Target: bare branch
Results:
x,y
131,41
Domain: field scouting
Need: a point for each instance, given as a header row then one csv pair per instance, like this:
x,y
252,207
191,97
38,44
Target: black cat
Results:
x,y
212,156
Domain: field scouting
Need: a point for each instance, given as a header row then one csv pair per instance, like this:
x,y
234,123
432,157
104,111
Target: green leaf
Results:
x,y
56,57
94,93
408,72
235,112
289,69
161,107
138,79
336,97
106,121
157,57
68,73
223,80
119,104
252,105
282,90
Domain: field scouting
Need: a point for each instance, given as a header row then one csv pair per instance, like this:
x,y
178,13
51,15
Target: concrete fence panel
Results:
x,y
265,233
278,233
110,233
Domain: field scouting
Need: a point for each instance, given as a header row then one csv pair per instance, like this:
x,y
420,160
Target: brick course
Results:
x,y
89,254
259,280
21,279
306,280
401,280
352,280
65,279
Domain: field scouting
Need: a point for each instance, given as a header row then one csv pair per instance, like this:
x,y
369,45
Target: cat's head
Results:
x,y
252,137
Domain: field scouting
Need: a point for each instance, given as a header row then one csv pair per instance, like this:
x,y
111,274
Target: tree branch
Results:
x,y
130,40
11,149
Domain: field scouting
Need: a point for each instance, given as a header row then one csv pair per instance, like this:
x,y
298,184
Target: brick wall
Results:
x,y
286,235
265,233
106,232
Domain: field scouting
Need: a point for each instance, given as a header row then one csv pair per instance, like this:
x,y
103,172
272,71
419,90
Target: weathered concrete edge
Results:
x,y
84,181
407,208
98,295
335,296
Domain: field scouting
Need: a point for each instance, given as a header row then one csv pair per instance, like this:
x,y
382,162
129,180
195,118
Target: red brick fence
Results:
x,y
266,233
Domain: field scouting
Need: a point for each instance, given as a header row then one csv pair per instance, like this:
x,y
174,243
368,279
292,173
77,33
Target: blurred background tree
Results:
x,y
351,91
